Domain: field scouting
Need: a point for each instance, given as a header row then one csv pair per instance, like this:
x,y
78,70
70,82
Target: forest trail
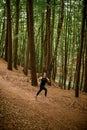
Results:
x,y
20,111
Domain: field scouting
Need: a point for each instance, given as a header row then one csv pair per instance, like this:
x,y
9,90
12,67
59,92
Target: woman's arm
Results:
x,y
48,80
39,79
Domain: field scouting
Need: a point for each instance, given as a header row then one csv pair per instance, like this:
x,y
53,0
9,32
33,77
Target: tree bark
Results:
x,y
9,33
31,42
16,34
6,44
48,42
2,35
52,37
72,56
85,76
78,66
26,66
42,43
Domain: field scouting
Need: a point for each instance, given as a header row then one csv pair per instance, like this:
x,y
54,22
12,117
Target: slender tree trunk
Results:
x,y
6,44
9,33
16,34
42,43
28,48
65,66
58,36
72,55
78,66
48,42
54,70
85,75
82,70
52,37
32,46
66,51
52,25
2,36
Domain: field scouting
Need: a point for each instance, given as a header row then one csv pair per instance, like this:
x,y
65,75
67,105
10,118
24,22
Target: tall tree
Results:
x,y
60,23
66,51
78,66
2,34
52,39
31,42
85,40
16,33
26,66
72,56
48,42
6,44
42,42
9,35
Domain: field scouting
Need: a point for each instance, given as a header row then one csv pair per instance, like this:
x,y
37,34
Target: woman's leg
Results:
x,y
39,91
45,91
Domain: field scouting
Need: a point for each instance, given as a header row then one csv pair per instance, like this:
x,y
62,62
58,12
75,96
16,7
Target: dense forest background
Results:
x,y
49,35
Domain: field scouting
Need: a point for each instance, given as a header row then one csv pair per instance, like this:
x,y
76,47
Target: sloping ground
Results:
x,y
20,111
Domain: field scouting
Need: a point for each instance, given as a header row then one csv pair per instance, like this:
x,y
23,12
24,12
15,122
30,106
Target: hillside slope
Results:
x,y
20,111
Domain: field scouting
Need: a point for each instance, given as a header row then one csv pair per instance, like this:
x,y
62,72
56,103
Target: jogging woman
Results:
x,y
44,80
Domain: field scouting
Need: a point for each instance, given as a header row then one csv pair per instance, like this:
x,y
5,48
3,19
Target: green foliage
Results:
x,y
71,26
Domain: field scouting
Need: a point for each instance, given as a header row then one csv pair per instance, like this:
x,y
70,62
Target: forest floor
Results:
x,y
19,110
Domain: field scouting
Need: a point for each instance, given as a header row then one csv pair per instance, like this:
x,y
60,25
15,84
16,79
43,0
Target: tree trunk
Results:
x,y
72,57
58,36
82,70
85,75
31,42
66,51
9,33
27,49
52,25
2,35
48,42
65,66
78,66
6,44
52,37
42,43
16,34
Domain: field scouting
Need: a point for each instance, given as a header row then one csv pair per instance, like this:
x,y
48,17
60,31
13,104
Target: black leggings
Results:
x,y
42,88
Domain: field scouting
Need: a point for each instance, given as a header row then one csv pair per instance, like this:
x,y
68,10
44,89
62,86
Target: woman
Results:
x,y
44,80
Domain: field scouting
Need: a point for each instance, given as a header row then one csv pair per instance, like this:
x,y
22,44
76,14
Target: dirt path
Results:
x,y
20,111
